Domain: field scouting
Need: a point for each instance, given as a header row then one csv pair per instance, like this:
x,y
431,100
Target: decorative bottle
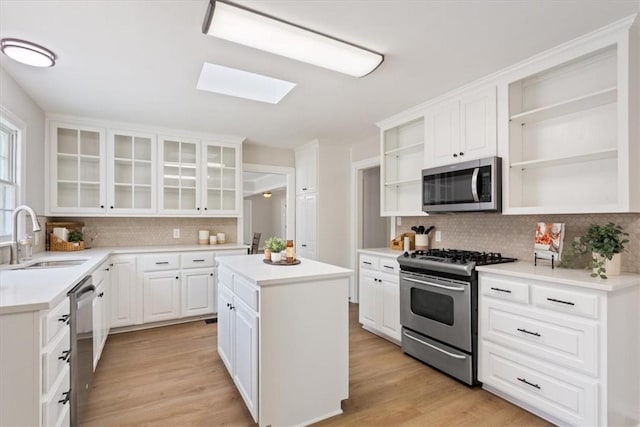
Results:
x,y
290,254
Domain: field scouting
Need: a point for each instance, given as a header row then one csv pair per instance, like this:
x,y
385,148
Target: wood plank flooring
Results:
x,y
172,376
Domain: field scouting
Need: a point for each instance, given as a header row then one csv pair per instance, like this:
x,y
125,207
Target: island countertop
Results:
x,y
260,273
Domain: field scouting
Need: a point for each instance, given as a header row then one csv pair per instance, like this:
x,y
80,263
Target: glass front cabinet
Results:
x,y
105,171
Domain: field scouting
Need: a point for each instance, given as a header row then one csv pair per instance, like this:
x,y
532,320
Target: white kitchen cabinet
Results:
x,y
198,293
569,139
306,158
380,295
77,166
401,154
462,128
123,288
558,343
199,177
35,352
101,306
161,296
307,226
131,174
238,338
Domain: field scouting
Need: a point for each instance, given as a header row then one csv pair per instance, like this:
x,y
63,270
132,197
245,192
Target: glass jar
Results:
x,y
289,250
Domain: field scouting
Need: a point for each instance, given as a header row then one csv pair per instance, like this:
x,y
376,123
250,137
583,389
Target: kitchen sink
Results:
x,y
53,264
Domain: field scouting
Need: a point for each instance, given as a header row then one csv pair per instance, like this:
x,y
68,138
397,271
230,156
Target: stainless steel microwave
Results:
x,y
472,186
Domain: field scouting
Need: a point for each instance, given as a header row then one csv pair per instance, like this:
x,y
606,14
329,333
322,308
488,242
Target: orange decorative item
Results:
x,y
290,254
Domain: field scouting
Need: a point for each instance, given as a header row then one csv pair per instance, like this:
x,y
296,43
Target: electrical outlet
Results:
x,y
399,221
438,236
176,233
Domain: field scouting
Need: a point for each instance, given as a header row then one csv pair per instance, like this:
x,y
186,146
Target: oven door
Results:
x,y
437,307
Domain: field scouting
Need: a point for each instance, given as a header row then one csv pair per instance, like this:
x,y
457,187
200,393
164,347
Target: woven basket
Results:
x,y
62,246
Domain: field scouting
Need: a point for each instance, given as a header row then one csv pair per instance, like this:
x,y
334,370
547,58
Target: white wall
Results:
x,y
18,103
366,148
266,218
263,155
375,229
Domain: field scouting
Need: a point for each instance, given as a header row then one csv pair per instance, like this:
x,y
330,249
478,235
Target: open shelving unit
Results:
x,y
402,163
563,137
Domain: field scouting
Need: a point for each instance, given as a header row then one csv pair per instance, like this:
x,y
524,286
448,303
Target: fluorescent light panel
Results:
x,y
262,32
242,84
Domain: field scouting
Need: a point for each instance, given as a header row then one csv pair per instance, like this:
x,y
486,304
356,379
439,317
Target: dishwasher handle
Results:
x,y
85,291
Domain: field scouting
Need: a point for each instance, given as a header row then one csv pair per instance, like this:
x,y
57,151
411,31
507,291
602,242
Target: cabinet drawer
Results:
x,y
65,417
197,259
55,402
225,277
54,358
369,262
505,289
160,262
389,265
569,398
55,320
246,291
571,343
97,275
566,301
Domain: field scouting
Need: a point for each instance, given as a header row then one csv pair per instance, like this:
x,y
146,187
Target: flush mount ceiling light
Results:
x,y
267,194
242,84
250,28
27,53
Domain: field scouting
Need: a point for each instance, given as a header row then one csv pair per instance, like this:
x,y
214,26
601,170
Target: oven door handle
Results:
x,y
455,356
474,185
449,288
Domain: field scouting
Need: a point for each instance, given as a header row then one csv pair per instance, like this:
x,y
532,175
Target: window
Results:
x,y
8,177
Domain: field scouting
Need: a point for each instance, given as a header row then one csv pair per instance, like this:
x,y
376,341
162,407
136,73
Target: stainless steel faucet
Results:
x,y
15,258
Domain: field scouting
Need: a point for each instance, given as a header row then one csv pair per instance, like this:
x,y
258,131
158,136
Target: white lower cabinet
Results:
x,y
380,295
34,370
198,295
161,295
123,287
101,310
307,226
562,352
238,342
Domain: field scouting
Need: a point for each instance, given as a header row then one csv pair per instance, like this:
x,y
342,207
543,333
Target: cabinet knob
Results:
x,y
197,209
211,274
461,153
101,294
110,265
65,397
106,269
111,207
65,355
304,246
455,155
304,189
64,318
101,206
206,209
228,305
177,277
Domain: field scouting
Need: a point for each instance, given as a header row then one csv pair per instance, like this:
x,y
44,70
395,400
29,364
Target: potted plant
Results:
x,y
274,245
605,242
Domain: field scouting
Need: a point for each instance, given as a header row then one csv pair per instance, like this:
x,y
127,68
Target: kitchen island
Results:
x,y
283,334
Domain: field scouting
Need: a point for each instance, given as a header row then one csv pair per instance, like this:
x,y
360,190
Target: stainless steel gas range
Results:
x,y
439,308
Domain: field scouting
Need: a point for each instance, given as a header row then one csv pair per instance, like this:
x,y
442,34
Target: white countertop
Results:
x,y
388,252
41,289
564,276
254,269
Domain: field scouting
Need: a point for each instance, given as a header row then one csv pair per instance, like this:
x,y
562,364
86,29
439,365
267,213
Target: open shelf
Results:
x,y
558,161
580,103
402,182
407,149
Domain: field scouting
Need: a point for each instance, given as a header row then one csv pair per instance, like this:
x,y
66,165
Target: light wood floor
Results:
x,y
172,376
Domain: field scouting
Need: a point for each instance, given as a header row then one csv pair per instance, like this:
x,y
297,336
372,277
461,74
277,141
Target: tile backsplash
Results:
x,y
513,235
114,232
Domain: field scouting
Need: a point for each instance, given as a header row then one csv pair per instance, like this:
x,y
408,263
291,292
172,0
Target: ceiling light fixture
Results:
x,y
28,53
254,29
267,194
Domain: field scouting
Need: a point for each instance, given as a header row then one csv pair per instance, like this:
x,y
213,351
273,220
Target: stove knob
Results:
x,y
413,255
406,255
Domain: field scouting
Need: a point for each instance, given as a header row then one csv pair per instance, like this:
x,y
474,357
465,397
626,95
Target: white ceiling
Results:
x,y
139,60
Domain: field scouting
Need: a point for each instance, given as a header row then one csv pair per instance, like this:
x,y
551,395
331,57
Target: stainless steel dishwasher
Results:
x,y
81,300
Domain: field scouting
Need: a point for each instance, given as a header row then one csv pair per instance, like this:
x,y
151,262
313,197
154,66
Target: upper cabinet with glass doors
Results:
x,y
199,177
131,172
77,169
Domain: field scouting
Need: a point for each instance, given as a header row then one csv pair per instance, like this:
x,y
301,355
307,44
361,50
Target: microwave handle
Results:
x,y
474,184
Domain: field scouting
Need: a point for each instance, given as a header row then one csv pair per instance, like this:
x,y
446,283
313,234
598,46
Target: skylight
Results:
x,y
242,84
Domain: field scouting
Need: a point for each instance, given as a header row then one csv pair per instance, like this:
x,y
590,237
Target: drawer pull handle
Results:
x,y
65,355
162,262
388,266
522,380
560,301
198,260
529,332
366,262
64,318
65,397
507,291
